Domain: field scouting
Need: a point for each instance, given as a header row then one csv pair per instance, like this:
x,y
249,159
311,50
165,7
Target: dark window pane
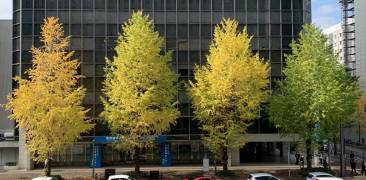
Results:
x,y
63,4
99,70
298,17
39,4
160,28
99,30
100,16
228,5
99,4
275,56
275,4
252,17
123,4
27,17
275,17
135,4
51,4
26,3
112,30
147,4
100,44
171,4
193,5
263,4
205,4
75,43
263,17
182,4
286,43
100,56
87,30
276,43
112,4
275,30
88,83
252,5
159,4
240,4
64,16
76,17
297,29
16,30
194,30
76,29
286,29
286,17
297,4
217,5
264,55
205,30
286,4
182,31
263,30
75,4
252,30
37,29
88,57
27,29
88,4
263,43
170,30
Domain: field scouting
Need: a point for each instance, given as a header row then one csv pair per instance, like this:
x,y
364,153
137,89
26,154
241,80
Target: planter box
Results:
x,y
10,167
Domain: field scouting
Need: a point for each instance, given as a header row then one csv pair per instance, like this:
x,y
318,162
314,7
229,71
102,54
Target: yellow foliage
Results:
x,y
48,104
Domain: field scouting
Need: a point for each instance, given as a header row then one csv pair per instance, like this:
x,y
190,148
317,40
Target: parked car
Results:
x,y
262,176
321,176
120,177
204,178
44,178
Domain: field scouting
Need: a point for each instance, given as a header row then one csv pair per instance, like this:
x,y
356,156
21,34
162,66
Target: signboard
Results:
x,y
95,158
165,154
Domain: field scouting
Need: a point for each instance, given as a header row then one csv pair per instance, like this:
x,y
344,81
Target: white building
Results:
x,y
335,36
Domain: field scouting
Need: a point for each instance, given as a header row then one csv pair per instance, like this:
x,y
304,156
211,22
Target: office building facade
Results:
x,y
187,26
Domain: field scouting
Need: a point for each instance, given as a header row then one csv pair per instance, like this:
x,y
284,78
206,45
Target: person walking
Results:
x,y
363,168
353,166
302,162
297,157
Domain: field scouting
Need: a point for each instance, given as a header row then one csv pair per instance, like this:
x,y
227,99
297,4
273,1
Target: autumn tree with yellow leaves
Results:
x,y
140,87
228,90
47,105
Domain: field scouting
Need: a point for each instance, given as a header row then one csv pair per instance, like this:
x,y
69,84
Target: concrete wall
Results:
x,y
5,71
360,14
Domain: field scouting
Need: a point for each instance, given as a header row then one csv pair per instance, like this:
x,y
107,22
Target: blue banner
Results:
x,y
165,154
95,157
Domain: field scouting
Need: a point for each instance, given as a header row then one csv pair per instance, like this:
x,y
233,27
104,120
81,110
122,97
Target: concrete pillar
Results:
x,y
24,161
234,157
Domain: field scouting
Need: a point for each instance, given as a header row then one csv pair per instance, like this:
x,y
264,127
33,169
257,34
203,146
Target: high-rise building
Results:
x,y
335,38
8,144
360,32
187,26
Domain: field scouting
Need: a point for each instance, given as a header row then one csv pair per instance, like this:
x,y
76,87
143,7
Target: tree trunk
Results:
x,y
309,153
137,159
335,146
224,160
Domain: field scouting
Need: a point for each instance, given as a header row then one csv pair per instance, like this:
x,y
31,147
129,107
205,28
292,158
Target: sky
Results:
x,y
325,13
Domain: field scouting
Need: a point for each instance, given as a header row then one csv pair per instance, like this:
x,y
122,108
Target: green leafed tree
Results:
x,y
47,106
140,87
317,95
228,90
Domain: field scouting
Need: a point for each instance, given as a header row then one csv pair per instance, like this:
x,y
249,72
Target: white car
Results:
x,y
44,178
262,176
321,176
120,177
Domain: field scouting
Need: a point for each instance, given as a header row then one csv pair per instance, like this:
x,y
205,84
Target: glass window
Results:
x,y
100,16
171,4
276,69
99,30
159,4
286,17
182,57
286,29
16,57
63,4
51,4
87,30
99,4
286,42
87,4
297,4
276,43
217,17
194,17
39,16
252,5
275,4
182,31
275,17
263,4
27,29
263,43
75,4
228,5
263,17
112,17
275,56
194,30
240,4
27,17
240,16
100,44
75,17
193,5
88,43
182,45
16,30
37,29
205,4
75,43
123,4
27,3
63,16
275,30
160,29
112,42
136,4
99,56
286,4
39,4
76,29
298,17
171,43
263,30
254,43
206,30
27,43
88,70
182,4
99,82
264,55
252,17
252,30
182,17
88,83
51,13
297,29
88,17
88,56
147,4
216,5
206,17
99,70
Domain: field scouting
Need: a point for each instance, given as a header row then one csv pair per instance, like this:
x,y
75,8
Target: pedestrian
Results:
x,y
302,162
325,163
363,167
297,156
321,159
353,167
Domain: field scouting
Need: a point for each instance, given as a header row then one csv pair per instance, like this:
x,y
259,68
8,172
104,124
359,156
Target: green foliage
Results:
x,y
229,89
317,90
140,87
